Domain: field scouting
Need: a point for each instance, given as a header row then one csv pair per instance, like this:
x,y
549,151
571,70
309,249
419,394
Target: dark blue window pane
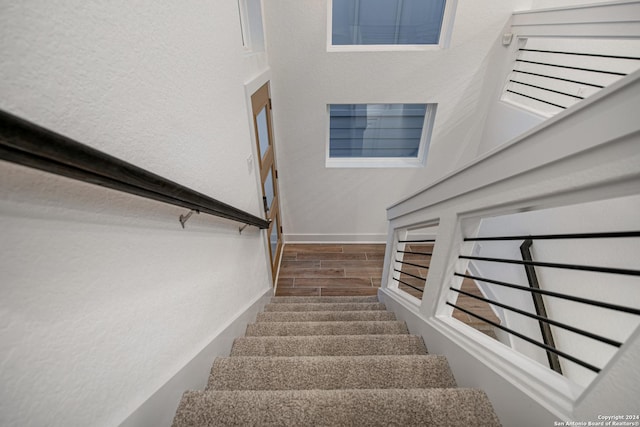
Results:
x,y
371,22
375,130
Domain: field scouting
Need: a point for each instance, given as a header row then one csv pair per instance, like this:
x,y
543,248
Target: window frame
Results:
x,y
446,31
384,162
252,26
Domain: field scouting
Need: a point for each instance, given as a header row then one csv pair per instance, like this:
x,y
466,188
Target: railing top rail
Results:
x,y
28,144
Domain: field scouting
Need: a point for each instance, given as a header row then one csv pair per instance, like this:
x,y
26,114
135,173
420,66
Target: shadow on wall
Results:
x,y
465,129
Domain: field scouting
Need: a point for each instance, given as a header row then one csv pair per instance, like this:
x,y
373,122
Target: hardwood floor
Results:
x,y
356,270
330,270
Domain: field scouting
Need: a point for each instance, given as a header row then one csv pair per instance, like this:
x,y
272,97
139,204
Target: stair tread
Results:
x,y
330,372
338,306
324,316
426,407
394,327
366,299
338,345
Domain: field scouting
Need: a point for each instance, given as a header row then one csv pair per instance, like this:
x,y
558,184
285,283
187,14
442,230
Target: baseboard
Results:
x,y
159,409
335,238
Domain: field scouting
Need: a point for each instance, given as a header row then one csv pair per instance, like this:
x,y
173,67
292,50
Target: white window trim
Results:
x,y
245,29
384,162
254,40
445,35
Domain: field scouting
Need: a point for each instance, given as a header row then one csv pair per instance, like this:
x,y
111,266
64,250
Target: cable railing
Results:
x,y
559,76
407,274
537,291
28,144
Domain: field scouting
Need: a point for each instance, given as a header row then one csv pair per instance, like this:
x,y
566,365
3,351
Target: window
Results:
x,y
251,25
379,135
388,23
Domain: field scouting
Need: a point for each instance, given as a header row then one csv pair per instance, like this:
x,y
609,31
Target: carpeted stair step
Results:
x,y
409,407
330,373
338,306
325,328
329,345
325,316
369,299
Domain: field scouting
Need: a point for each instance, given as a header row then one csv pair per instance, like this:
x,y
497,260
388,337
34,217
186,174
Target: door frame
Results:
x,y
251,88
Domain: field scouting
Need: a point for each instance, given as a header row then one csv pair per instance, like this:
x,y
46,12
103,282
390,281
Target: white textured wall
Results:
x,y
331,204
103,296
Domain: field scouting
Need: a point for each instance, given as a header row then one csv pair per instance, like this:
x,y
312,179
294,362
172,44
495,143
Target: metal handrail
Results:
x,y
28,144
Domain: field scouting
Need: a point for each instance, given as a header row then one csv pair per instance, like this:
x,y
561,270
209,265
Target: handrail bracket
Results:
x,y
185,218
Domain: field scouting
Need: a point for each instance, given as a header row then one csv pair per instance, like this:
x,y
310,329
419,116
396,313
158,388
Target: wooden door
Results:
x,y
262,121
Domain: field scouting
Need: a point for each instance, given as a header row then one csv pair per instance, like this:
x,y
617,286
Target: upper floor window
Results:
x,y
388,23
379,135
251,25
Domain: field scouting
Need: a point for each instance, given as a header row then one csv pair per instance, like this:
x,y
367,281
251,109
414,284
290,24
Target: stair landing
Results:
x,y
330,270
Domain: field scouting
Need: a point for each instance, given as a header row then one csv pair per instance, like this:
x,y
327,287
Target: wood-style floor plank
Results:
x,y
298,292
301,248
331,282
372,248
322,256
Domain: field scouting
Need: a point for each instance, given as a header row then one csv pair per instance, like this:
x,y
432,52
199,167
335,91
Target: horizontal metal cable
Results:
x,y
617,234
615,73
555,294
597,55
611,270
559,78
530,340
412,264
409,274
547,89
536,99
406,284
543,319
416,253
417,241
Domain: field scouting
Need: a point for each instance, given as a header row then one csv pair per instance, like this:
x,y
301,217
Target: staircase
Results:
x,y
328,361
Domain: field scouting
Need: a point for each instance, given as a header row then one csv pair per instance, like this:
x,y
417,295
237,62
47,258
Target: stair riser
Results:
x,y
326,316
361,345
277,300
330,373
324,307
423,407
325,328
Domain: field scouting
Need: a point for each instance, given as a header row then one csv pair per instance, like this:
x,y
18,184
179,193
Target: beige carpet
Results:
x,y
340,361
